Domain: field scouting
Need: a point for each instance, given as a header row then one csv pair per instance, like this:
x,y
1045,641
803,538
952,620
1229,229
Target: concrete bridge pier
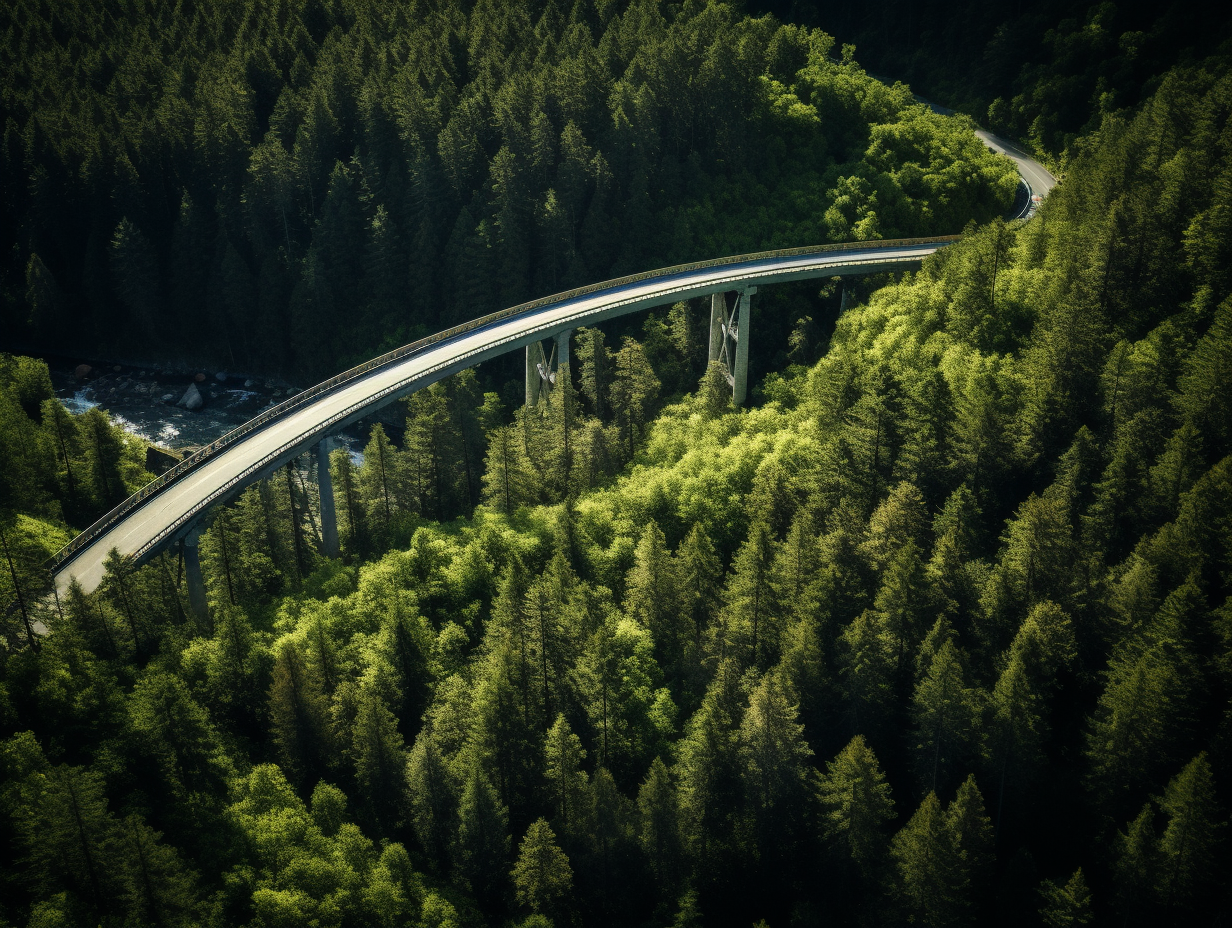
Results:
x,y
194,578
740,376
562,348
534,357
718,319
325,488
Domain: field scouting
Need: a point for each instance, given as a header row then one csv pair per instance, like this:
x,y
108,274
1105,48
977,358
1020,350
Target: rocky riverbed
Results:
x,y
174,409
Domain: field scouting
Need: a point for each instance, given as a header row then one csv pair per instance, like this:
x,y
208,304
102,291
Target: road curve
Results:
x,y
1038,177
141,527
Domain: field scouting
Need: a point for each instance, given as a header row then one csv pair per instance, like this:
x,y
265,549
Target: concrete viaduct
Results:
x,y
171,509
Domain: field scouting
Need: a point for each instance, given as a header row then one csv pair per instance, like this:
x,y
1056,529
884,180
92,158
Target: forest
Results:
x,y
937,632
215,183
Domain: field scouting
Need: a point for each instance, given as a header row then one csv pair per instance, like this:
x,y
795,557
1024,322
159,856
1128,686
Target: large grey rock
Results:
x,y
192,399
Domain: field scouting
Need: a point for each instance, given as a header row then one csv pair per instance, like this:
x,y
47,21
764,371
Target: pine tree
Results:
x,y
653,598
71,839
506,477
433,805
933,880
1189,842
775,768
158,888
856,804
945,713
973,836
380,761
299,718
596,368
747,629
1014,733
700,576
567,782
483,839
868,656
659,830
542,875
1066,906
1136,869
381,483
708,768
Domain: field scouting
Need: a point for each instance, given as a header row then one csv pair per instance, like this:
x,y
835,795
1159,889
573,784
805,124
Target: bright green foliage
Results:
x,y
1003,486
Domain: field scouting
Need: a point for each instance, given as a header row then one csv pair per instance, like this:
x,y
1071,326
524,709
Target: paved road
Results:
x,y
1032,171
168,514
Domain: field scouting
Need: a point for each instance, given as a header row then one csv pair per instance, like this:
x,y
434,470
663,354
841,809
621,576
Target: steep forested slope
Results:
x,y
291,186
940,634
1043,71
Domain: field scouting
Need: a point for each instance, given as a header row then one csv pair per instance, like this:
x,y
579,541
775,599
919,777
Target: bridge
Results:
x,y
170,509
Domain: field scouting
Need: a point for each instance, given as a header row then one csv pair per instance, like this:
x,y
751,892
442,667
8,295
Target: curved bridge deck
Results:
x,y
166,509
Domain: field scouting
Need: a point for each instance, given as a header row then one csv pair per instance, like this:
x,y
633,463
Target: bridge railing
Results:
x,y
312,394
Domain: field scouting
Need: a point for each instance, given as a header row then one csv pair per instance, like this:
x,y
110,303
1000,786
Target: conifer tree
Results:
x,y
775,767
653,598
380,761
433,804
856,804
932,877
945,713
483,839
659,831
747,630
1066,906
567,782
542,875
1189,842
1136,869
299,717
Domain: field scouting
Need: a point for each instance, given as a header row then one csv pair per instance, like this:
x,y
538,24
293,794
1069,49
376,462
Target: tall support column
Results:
x,y
718,316
325,488
534,351
741,374
562,348
194,577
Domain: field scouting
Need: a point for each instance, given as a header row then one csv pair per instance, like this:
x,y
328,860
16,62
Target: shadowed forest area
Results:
x,y
292,187
938,632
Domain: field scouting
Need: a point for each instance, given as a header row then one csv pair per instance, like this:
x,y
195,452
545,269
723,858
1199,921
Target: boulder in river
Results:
x,y
199,378
221,376
82,371
192,399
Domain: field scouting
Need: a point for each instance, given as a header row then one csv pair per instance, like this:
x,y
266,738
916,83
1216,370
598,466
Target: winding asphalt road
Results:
x,y
159,516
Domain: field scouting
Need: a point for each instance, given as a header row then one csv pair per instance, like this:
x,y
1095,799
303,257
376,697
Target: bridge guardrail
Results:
x,y
191,463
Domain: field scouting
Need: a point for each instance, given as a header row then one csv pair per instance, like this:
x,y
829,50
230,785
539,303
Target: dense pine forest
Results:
x,y
287,187
938,632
